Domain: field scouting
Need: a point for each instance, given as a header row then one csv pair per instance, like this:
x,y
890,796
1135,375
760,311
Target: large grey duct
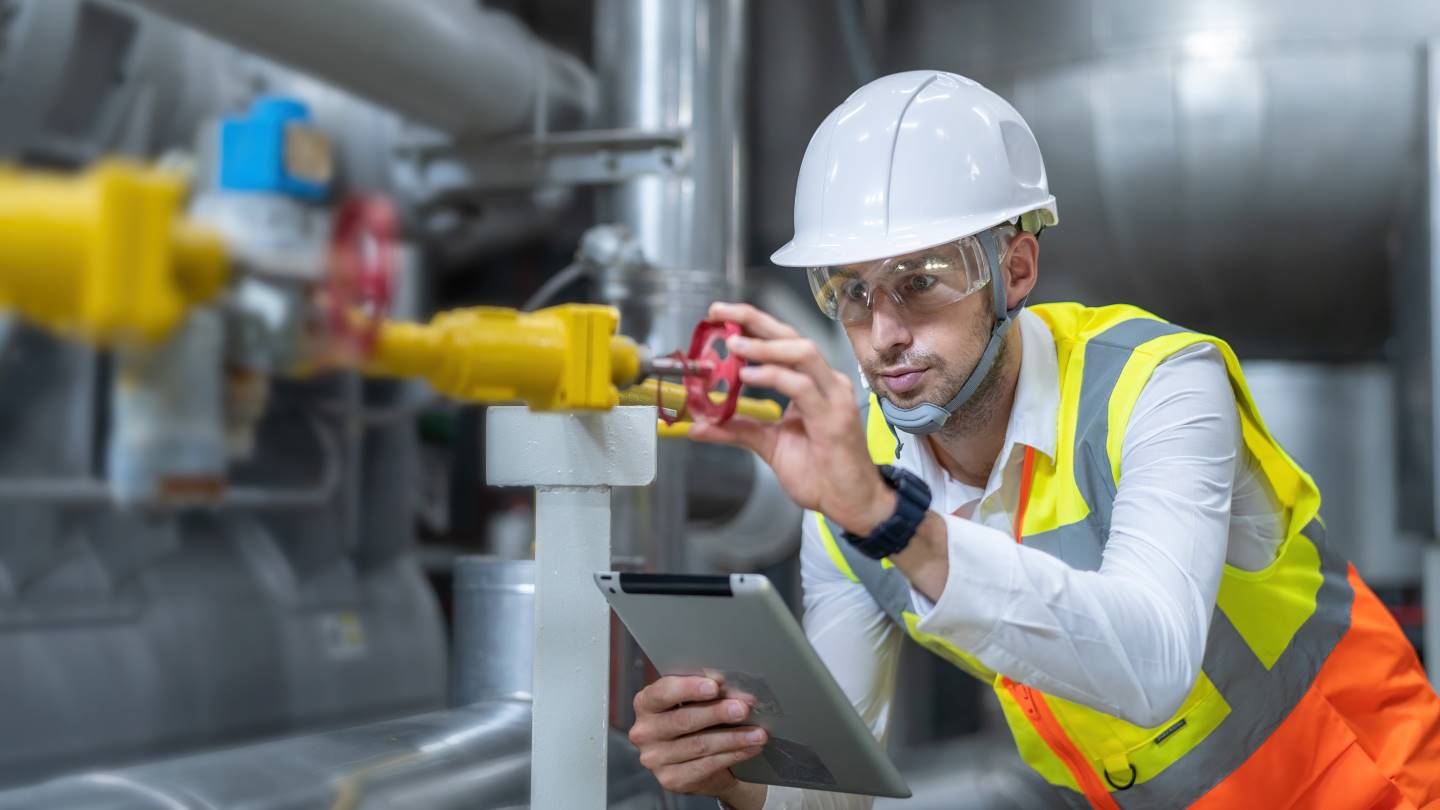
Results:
x,y
450,64
476,757
471,758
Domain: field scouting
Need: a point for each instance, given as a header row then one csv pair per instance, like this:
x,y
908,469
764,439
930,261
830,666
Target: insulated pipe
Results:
x,y
671,65
475,756
494,610
447,63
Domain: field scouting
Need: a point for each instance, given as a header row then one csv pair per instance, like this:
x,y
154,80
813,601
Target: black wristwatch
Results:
x,y
893,535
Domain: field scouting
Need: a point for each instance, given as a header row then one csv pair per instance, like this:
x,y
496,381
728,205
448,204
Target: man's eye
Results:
x,y
854,291
922,282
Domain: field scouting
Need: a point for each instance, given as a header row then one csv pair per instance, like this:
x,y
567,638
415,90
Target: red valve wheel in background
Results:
x,y
720,372
355,296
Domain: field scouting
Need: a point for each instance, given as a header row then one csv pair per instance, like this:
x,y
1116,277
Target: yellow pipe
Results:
x,y
105,256
679,430
673,398
562,358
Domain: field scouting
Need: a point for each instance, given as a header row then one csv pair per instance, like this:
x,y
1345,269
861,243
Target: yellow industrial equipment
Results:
x,y
104,256
107,257
672,397
563,358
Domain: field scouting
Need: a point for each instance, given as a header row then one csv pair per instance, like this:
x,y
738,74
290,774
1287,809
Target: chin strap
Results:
x,y
927,418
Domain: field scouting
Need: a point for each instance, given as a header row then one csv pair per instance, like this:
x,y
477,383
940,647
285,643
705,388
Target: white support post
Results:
x,y
572,460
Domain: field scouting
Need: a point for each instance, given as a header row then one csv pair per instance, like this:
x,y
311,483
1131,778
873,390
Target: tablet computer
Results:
x,y
738,627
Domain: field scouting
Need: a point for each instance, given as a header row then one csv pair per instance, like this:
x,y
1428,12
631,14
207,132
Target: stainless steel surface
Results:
x,y
383,50
51,54
1338,422
1430,601
475,757
81,491
671,65
137,634
1417,327
673,367
1234,166
82,78
720,479
763,529
1415,339
494,623
668,65
595,157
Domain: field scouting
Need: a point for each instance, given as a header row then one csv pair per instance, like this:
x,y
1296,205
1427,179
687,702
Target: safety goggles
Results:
x,y
918,283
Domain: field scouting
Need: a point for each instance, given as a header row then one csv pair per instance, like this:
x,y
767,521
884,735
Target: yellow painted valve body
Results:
x,y
562,358
105,256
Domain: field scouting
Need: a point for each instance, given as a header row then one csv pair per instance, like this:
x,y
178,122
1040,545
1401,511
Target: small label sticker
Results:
x,y
343,635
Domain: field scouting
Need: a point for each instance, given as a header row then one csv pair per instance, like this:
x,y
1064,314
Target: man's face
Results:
x,y
910,358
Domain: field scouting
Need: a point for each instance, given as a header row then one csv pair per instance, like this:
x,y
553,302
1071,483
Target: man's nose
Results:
x,y
887,324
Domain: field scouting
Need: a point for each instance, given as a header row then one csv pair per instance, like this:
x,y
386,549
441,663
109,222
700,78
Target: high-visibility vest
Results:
x,y
1309,694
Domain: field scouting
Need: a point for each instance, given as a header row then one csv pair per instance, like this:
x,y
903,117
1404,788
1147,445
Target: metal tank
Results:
x,y
1236,166
1256,170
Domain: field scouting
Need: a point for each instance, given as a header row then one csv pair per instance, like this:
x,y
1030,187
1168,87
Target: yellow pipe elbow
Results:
x,y
104,256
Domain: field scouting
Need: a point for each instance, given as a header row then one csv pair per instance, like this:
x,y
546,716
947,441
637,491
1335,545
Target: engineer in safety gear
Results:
x,y
1113,540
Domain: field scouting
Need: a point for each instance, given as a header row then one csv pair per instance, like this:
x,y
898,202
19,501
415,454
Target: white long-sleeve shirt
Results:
x,y
1127,639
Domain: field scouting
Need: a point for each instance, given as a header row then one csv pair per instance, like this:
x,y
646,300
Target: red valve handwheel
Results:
x,y
720,374
357,290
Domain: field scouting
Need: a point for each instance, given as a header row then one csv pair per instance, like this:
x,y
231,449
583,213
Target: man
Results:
x,y
1084,508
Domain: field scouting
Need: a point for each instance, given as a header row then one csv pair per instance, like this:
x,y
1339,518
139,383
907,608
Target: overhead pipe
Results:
x,y
450,64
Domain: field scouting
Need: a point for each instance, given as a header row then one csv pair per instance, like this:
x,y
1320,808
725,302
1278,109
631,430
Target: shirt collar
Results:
x,y
1034,418
1034,414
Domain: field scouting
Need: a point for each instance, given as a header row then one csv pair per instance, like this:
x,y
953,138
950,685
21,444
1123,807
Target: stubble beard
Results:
x,y
975,414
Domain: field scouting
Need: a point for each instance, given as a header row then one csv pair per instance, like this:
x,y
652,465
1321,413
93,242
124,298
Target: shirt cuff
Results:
x,y
978,585
782,798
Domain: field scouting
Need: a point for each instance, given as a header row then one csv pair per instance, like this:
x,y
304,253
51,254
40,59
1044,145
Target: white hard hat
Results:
x,y
910,161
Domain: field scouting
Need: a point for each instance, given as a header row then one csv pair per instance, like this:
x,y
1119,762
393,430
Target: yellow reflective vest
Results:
x,y
1272,629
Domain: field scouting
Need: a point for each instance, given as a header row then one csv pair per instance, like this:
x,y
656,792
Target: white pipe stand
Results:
x,y
572,460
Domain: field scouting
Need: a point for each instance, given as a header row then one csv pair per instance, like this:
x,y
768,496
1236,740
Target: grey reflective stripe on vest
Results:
x,y
1259,699
1080,544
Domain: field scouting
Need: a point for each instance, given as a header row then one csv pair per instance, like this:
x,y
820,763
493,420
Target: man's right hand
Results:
x,y
689,737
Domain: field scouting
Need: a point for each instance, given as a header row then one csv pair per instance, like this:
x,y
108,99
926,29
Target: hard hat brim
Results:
x,y
840,249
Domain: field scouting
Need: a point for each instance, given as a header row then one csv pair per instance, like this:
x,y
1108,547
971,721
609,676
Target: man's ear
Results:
x,y
1022,266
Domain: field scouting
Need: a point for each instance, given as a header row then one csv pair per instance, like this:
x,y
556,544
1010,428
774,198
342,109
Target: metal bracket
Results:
x,y
590,157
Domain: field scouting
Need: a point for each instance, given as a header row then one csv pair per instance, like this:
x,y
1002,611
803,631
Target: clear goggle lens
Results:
x,y
920,282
